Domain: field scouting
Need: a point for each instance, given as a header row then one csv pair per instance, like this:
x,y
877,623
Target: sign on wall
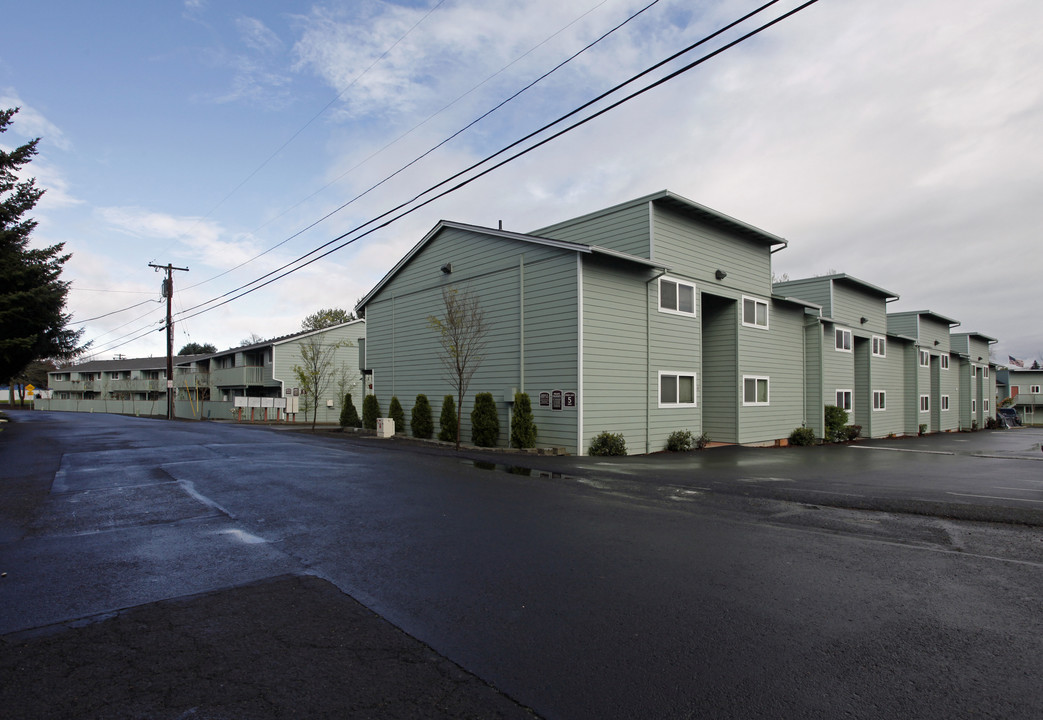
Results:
x,y
544,399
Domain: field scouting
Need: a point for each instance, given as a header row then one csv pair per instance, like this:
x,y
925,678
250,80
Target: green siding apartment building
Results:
x,y
658,315
1024,388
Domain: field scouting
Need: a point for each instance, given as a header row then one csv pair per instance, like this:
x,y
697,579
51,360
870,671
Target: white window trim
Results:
x,y
985,372
1033,389
925,403
974,405
678,282
879,341
985,405
847,334
756,301
945,403
945,362
852,396
925,354
678,374
742,389
879,400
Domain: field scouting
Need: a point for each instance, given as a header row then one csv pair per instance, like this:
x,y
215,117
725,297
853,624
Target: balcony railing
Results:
x,y
241,376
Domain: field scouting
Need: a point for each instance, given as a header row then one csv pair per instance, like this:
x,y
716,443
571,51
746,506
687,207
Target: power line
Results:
x,y
421,124
462,184
114,312
313,118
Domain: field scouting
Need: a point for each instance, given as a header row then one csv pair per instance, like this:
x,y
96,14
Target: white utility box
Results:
x,y
385,427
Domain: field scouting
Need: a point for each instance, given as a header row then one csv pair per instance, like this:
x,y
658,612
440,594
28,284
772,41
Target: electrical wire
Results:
x,y
114,312
435,147
516,143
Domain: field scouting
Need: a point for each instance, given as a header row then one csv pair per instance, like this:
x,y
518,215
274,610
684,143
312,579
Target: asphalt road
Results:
x,y
734,582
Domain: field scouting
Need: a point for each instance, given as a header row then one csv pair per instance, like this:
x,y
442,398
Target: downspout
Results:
x,y
521,324
393,359
648,363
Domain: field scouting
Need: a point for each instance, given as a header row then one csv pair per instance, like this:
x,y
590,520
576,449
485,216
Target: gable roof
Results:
x,y
149,363
686,206
505,235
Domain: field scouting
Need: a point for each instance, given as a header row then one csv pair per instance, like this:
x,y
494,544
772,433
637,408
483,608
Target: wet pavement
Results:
x,y
210,570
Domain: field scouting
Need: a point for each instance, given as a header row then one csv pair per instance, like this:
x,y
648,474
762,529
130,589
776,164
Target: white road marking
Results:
x,y
994,497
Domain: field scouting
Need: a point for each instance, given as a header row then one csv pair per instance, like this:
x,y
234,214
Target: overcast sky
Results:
x,y
897,141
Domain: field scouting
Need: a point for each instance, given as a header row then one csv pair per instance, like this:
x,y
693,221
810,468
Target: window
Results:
x,y
1034,389
925,358
925,403
985,372
985,405
844,399
974,405
676,297
879,400
843,340
676,389
754,390
945,362
945,400
754,312
879,346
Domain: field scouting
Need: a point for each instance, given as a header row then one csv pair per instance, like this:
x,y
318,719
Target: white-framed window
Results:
x,y
676,389
844,399
925,403
974,405
985,405
879,400
754,390
945,400
1034,389
676,296
925,358
879,346
945,362
754,312
843,340
985,372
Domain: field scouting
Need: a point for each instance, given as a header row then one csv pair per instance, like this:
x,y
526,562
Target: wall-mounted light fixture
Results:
x,y
720,274
936,342
447,268
979,358
863,320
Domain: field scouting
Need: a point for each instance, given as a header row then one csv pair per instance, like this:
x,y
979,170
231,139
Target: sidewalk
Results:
x,y
291,646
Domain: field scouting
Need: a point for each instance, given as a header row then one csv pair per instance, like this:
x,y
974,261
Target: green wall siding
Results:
x,y
779,354
720,383
813,290
403,350
697,250
625,230
615,368
850,305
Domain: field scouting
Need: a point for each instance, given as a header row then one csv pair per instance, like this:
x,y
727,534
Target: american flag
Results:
x,y
1015,362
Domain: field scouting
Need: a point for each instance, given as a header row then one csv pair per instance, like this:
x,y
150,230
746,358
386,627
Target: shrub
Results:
x,y
702,441
485,423
397,414
370,412
974,427
349,416
836,419
923,428
447,420
523,429
679,441
990,423
606,443
420,421
802,436
852,431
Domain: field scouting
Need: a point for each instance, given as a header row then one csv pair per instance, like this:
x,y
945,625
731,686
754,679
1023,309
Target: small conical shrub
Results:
x,y
420,422
370,412
523,429
447,420
485,423
396,413
349,416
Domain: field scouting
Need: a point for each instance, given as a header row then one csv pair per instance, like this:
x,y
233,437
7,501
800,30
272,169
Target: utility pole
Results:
x,y
168,293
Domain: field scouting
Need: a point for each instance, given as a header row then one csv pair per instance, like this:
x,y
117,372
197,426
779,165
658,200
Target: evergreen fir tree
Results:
x,y
420,422
523,429
349,416
397,414
447,420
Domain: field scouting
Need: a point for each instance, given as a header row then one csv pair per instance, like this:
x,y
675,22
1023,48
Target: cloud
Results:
x,y
190,238
29,122
256,35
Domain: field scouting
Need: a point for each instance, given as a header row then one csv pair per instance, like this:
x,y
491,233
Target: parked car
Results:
x,y
1007,417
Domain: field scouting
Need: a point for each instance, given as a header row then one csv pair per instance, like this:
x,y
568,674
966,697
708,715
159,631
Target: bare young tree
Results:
x,y
317,371
462,332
